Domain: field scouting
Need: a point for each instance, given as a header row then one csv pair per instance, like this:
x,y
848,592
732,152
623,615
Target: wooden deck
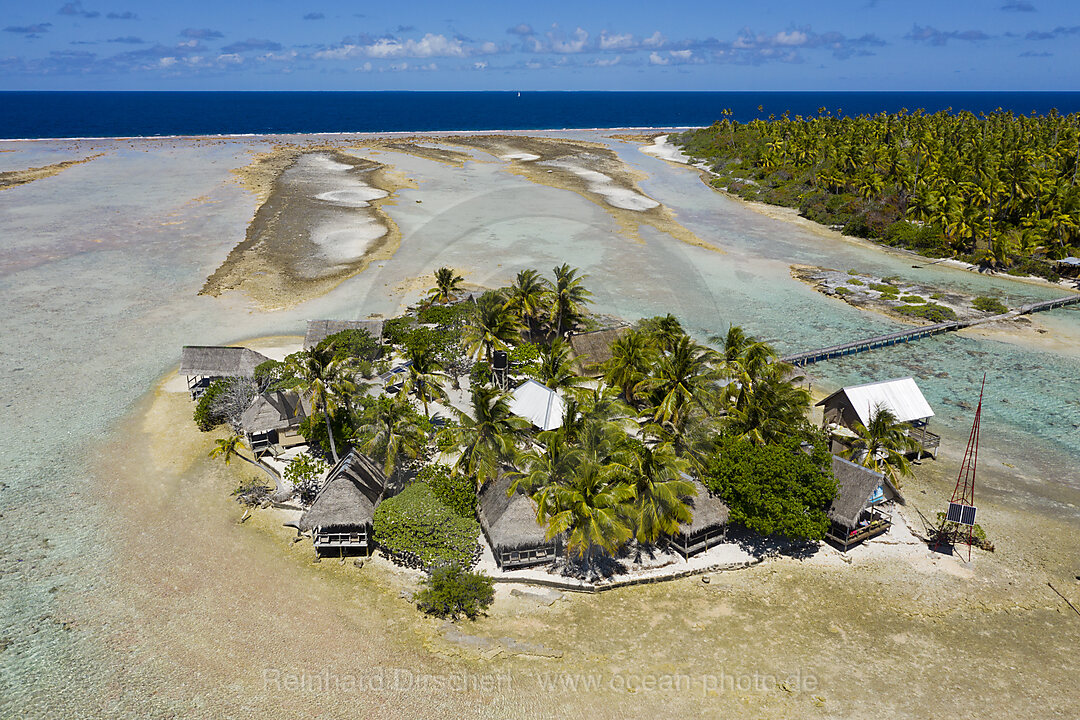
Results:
x,y
810,357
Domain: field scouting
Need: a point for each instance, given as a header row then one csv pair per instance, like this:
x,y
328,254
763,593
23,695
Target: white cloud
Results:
x,y
480,65
616,42
430,45
230,59
795,37
575,44
606,61
683,55
654,40
167,61
656,58
340,53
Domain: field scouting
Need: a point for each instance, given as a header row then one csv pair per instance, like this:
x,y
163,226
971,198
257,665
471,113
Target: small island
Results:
x,y
512,435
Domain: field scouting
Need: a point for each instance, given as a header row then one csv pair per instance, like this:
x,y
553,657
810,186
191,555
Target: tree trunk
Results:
x,y
330,434
265,468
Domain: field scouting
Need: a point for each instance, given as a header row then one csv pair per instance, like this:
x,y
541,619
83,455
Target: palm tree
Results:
x,y
228,448
568,298
493,327
526,298
631,357
556,368
447,284
550,464
590,508
882,444
683,377
692,435
425,375
327,382
488,438
391,430
665,331
659,506
770,407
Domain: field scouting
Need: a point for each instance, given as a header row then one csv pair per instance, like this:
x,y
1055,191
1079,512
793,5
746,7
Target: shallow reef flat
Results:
x,y
14,178
589,169
320,221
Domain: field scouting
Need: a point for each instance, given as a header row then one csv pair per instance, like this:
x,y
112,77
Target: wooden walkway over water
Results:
x,y
810,357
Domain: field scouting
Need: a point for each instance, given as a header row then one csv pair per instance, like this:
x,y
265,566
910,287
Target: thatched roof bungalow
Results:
x,y
343,513
274,420
708,526
319,330
509,524
593,349
203,364
860,509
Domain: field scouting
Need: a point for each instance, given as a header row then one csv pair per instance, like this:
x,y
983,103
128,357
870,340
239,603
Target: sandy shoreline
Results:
x,y
244,597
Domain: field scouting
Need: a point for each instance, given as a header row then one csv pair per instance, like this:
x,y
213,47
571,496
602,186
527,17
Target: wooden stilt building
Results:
x,y
341,518
862,506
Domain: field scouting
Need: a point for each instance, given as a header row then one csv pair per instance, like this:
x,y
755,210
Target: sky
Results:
x,y
776,45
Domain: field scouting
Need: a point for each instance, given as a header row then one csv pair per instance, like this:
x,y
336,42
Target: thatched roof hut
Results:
x,y
592,349
855,512
509,524
274,410
274,418
216,361
343,512
708,525
319,330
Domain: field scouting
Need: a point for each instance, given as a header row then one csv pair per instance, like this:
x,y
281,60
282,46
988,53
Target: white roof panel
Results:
x,y
538,404
902,397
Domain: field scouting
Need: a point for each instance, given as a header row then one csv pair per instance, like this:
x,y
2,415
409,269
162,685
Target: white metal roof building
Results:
x,y
538,404
902,397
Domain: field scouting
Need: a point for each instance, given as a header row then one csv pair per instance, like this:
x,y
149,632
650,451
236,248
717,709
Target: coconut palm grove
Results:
x,y
995,189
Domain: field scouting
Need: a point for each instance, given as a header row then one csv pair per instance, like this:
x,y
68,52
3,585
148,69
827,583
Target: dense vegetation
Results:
x,y
617,476
776,489
418,529
998,189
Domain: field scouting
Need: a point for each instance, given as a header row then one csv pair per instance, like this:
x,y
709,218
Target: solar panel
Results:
x,y
954,513
967,517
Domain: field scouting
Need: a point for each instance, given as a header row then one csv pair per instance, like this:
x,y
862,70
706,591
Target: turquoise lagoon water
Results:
x,y
100,268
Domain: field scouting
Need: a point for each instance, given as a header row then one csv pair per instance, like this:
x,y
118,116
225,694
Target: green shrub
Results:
x,y
990,305
457,492
396,329
355,343
855,281
852,272
1038,268
455,314
884,289
415,528
452,591
913,299
842,291
937,296
305,474
930,311
775,489
206,419
313,429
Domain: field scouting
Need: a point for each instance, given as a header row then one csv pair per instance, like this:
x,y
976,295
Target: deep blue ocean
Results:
x,y
112,114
